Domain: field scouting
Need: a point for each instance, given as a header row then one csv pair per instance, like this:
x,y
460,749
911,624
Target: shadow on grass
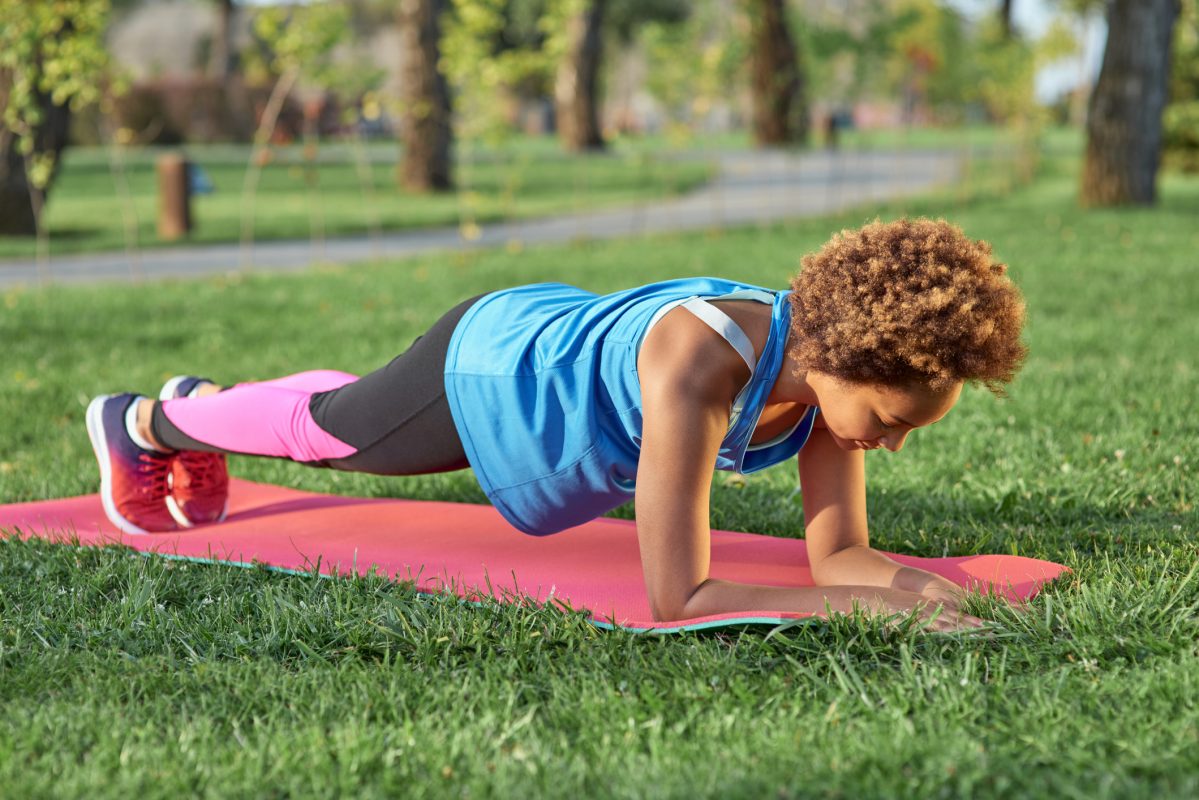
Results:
x,y
56,234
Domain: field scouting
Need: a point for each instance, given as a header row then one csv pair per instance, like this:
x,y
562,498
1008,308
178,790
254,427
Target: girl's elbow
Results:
x,y
680,607
666,612
821,577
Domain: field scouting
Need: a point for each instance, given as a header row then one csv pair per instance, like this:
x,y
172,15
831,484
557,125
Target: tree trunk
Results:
x,y
222,60
1005,18
1124,121
780,114
16,199
425,131
576,87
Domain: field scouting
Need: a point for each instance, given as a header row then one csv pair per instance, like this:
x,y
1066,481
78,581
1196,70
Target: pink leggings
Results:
x,y
394,421
279,423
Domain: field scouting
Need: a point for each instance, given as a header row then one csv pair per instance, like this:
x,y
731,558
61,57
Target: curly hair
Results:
x,y
912,300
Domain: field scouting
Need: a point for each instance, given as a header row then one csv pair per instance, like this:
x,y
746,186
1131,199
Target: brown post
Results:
x,y
174,197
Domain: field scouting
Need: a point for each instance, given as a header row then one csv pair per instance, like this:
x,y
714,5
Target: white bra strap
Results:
x,y
720,322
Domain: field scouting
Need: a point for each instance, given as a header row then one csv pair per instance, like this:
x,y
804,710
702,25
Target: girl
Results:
x,y
567,404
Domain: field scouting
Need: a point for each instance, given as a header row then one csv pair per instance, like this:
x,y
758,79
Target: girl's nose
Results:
x,y
894,441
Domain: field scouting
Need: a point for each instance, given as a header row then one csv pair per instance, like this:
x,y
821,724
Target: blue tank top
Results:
x,y
542,384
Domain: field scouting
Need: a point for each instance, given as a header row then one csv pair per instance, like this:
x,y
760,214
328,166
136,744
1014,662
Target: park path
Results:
x,y
750,187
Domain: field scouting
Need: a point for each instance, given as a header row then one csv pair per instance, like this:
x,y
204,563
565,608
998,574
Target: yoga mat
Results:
x,y
470,550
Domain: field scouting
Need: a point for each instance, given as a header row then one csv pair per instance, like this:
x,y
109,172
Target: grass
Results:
x,y
121,674
88,210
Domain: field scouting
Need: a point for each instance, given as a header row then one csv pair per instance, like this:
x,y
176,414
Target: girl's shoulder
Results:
x,y
680,348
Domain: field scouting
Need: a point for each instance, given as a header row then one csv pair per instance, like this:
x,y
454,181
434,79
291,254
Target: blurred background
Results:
x,y
132,124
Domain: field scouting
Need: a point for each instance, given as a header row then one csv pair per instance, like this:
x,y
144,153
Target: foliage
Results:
x,y
1180,122
1006,73
300,38
493,50
847,49
928,52
625,17
298,42
1184,73
1180,128
919,49
696,63
1007,67
48,49
1082,7
484,67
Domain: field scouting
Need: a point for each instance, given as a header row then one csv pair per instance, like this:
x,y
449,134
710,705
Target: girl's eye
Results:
x,y
885,425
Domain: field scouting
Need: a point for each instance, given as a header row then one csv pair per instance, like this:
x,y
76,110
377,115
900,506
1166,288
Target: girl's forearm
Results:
x,y
865,566
715,596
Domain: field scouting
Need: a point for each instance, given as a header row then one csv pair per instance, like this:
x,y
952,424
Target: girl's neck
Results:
x,y
790,387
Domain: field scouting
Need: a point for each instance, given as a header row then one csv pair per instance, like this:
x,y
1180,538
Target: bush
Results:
x,y
195,109
1180,135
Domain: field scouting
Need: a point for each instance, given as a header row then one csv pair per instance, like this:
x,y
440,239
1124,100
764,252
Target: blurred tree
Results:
x,y
368,16
223,56
1124,123
52,61
577,93
780,110
576,87
425,130
1005,18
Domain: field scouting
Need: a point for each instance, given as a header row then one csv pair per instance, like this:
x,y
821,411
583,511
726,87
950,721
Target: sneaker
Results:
x,y
199,481
134,483
180,386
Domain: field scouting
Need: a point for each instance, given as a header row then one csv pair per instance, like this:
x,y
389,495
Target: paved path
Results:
x,y
751,187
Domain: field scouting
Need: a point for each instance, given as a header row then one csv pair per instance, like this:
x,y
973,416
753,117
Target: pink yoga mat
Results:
x,y
471,551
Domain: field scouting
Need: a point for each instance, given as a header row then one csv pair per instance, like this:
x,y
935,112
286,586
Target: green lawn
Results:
x,y
93,207
122,675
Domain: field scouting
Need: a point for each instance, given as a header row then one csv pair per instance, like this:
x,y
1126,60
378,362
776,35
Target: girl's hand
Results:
x,y
941,609
930,585
949,621
942,591
938,615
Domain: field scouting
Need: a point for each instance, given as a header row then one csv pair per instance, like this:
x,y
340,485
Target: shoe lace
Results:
x,y
153,472
203,469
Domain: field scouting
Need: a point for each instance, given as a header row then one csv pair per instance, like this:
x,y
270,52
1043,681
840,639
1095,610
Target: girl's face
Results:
x,y
862,416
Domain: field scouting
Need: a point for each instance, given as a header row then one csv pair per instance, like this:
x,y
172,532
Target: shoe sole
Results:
x,y
168,393
182,518
95,432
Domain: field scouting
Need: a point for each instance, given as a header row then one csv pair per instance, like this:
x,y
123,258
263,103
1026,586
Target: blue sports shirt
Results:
x,y
542,384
